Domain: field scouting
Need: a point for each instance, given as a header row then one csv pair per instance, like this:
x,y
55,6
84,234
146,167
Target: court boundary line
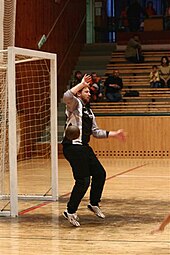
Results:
x,y
116,241
32,208
126,171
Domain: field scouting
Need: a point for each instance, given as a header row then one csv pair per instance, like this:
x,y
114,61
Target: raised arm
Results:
x,y
84,83
70,98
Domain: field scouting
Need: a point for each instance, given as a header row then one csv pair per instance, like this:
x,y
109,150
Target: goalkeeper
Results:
x,y
80,155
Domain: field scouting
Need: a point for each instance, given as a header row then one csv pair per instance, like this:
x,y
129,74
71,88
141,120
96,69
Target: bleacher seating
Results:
x,y
136,77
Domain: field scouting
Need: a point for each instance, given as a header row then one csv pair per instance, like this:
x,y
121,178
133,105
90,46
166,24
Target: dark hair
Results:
x,y
77,72
115,70
93,73
167,60
81,90
150,2
154,66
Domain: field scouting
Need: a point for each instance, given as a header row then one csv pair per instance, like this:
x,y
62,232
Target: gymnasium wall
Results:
x,y
147,137
37,17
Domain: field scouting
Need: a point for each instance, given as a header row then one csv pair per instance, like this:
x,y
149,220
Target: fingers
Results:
x,y
86,79
121,134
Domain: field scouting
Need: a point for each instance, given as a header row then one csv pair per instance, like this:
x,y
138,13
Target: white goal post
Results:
x,y
31,90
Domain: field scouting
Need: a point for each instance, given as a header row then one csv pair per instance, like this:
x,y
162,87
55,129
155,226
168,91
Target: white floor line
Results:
x,y
144,176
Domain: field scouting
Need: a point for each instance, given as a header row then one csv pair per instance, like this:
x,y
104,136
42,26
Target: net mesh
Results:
x,y
3,118
33,111
7,38
9,14
33,106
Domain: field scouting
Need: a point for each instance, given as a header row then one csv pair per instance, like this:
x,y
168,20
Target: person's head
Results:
x,y
136,38
94,76
164,61
78,75
116,73
149,4
84,94
154,68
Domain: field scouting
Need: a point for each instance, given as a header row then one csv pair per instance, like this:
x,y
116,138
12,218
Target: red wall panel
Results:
x,y
37,17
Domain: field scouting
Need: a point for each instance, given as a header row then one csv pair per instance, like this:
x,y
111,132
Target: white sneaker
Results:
x,y
96,210
72,218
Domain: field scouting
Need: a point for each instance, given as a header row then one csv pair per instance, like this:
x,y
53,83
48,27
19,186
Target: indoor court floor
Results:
x,y
135,200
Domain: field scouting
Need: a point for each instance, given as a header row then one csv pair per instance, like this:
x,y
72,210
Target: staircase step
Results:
x,y
96,49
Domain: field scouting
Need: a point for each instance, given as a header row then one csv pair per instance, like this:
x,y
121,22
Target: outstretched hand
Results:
x,y
119,134
85,82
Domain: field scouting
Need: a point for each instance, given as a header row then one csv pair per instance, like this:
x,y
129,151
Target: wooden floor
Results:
x,y
135,200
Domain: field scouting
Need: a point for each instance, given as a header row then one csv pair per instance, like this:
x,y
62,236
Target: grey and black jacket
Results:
x,y
80,115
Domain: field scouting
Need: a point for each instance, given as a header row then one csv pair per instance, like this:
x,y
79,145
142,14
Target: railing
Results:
x,y
118,24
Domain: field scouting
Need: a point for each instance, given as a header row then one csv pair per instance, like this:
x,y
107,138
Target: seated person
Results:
x,y
164,72
167,17
96,88
113,86
76,79
134,13
123,19
150,10
133,52
154,77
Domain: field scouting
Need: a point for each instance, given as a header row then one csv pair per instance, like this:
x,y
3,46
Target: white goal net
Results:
x,y
28,128
7,23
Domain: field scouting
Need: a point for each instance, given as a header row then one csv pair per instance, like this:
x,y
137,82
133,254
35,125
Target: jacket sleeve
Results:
x,y
70,100
121,83
97,132
107,82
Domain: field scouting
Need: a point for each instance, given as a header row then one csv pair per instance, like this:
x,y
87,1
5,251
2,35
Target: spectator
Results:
x,y
164,72
154,77
123,19
150,11
134,12
77,78
133,52
113,85
167,17
96,88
